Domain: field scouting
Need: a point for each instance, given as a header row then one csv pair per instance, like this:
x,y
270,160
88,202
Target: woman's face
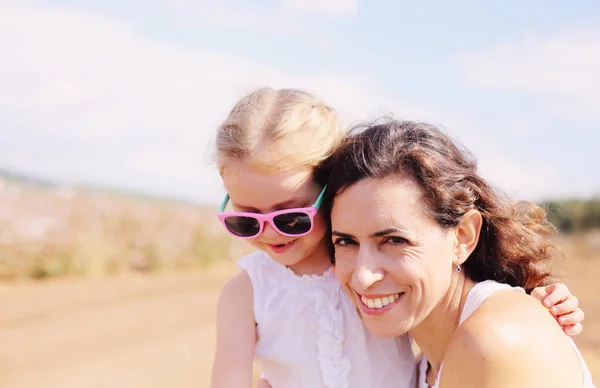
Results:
x,y
393,260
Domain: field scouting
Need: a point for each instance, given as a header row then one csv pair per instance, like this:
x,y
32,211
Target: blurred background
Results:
x,y
111,258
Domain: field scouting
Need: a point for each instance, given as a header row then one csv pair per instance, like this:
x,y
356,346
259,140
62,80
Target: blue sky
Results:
x,y
128,93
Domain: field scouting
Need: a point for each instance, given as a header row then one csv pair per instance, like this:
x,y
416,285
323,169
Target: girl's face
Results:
x,y
394,261
254,191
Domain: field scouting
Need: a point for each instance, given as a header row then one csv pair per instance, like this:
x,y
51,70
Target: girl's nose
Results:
x,y
269,232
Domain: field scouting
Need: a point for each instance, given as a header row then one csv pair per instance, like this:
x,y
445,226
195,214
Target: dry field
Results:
x,y
157,330
124,331
121,323
581,272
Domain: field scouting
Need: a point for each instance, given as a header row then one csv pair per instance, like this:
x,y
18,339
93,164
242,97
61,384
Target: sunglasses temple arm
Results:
x,y
319,200
225,200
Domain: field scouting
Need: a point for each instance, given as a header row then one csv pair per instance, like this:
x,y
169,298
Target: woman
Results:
x,y
424,245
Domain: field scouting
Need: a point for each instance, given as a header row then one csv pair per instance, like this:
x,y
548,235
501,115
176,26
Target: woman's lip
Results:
x,y
378,311
375,296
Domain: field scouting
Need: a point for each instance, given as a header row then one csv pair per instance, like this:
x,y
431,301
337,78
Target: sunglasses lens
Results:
x,y
293,223
242,226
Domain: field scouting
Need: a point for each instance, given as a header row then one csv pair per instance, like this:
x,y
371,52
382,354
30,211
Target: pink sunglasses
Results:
x,y
289,222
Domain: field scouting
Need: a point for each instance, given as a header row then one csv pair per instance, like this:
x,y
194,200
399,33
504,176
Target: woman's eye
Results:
x,y
395,240
343,242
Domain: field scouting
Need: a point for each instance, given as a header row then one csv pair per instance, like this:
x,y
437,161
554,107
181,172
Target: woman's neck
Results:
x,y
434,334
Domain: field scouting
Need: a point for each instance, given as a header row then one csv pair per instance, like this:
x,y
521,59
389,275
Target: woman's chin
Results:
x,y
389,325
387,330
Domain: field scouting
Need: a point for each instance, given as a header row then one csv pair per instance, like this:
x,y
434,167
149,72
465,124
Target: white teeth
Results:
x,y
378,303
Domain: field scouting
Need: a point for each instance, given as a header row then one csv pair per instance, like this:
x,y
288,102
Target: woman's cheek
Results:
x,y
344,270
344,264
406,269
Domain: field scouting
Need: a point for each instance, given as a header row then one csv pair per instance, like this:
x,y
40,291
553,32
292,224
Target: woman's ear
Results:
x,y
467,235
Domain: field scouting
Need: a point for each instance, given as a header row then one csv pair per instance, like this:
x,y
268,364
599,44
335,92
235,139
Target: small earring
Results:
x,y
458,269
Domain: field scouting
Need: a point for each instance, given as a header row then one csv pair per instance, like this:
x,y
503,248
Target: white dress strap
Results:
x,y
480,292
476,296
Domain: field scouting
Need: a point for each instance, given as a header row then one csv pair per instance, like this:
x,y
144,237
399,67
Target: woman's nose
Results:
x,y
367,272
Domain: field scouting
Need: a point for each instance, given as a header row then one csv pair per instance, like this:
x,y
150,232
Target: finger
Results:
x,y
573,318
568,306
573,330
557,293
262,383
539,293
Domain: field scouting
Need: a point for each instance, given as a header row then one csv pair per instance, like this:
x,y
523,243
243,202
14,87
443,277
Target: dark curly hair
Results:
x,y
514,245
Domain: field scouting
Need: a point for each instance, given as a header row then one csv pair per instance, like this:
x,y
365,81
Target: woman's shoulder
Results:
x,y
509,307
514,338
509,320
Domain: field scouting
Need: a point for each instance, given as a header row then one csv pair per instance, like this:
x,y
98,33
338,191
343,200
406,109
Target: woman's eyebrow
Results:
x,y
381,233
340,234
387,231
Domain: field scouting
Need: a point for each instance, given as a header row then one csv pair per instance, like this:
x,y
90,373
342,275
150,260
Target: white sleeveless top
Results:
x,y
310,336
474,299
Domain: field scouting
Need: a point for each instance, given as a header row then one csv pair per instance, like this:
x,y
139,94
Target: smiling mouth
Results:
x,y
281,245
278,248
379,303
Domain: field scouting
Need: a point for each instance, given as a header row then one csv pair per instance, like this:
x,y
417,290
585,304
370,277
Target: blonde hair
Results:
x,y
279,129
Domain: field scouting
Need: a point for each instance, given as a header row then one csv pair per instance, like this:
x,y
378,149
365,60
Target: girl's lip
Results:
x,y
285,243
281,249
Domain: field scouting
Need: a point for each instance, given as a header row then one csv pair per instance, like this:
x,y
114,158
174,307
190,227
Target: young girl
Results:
x,y
285,307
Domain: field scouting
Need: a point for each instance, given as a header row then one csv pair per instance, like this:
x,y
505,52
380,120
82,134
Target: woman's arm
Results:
x,y
563,305
236,334
510,341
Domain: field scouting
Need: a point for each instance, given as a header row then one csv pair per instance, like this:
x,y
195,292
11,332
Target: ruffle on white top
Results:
x,y
303,324
321,291
334,366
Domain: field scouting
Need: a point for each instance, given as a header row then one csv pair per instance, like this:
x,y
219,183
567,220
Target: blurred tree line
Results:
x,y
572,216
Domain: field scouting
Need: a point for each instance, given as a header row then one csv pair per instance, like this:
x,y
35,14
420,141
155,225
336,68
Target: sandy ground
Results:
x,y
149,331
130,331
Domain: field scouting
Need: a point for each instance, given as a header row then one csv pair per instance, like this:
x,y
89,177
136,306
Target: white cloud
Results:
x,y
282,17
340,8
561,69
239,11
86,96
120,108
226,14
538,180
